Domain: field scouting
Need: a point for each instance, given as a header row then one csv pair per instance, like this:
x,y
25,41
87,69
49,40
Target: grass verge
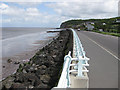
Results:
x,y
108,33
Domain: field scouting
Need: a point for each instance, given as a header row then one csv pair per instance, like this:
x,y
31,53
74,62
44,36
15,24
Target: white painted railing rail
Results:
x,y
64,81
80,66
80,55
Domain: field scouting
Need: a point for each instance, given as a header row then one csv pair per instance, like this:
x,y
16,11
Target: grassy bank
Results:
x,y
108,33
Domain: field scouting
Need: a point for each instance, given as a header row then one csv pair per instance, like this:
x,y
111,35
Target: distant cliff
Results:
x,y
107,25
70,23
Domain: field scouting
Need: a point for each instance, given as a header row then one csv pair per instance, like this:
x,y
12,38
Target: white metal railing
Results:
x,y
80,55
80,66
64,81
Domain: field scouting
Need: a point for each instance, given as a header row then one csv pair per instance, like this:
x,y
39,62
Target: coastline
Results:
x,y
10,68
49,71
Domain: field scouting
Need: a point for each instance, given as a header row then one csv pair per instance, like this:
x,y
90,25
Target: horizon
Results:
x,y
52,14
51,27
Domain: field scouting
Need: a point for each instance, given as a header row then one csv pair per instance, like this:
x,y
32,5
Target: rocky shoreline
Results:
x,y
44,68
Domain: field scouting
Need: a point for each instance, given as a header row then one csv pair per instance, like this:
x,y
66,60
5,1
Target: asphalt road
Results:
x,y
102,51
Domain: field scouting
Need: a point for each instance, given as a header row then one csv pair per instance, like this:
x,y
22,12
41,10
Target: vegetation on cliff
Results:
x,y
107,25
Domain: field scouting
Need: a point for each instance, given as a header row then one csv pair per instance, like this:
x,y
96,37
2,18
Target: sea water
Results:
x,y
17,40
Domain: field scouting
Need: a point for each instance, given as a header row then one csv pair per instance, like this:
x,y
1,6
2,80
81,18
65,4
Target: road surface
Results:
x,y
103,52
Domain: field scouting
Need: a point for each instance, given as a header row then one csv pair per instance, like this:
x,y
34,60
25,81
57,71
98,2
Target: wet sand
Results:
x,y
11,67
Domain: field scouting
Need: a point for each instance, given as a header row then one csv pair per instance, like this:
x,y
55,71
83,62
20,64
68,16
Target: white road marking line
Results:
x,y
104,49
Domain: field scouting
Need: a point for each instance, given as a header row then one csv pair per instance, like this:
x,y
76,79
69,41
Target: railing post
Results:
x,y
80,68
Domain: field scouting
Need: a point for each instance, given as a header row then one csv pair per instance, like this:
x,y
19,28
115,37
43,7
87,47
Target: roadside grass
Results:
x,y
108,33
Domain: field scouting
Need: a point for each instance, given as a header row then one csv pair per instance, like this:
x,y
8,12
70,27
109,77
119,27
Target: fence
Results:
x,y
80,65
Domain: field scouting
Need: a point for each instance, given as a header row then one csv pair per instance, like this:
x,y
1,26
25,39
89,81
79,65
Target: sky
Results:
x,y
52,14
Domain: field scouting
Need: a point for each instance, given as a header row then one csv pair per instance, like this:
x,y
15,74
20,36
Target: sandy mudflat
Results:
x,y
10,68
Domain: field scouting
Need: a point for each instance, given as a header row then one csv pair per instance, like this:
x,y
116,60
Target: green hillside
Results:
x,y
107,25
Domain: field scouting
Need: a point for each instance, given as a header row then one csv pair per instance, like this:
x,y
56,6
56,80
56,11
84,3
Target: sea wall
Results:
x,y
44,68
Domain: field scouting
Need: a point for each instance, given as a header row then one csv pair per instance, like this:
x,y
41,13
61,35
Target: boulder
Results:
x,y
3,66
16,62
9,61
30,87
28,78
24,71
40,72
45,79
43,67
18,86
42,86
8,82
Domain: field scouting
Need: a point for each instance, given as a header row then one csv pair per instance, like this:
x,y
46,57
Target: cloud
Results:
x,y
29,4
17,16
6,21
55,0
108,8
32,11
24,14
11,11
3,6
19,12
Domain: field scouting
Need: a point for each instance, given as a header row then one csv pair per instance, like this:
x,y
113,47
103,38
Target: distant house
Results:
x,y
104,23
118,20
101,30
84,23
89,26
92,23
73,26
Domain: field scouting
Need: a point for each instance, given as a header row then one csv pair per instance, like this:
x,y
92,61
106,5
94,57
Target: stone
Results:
x,y
33,65
18,86
24,71
36,69
52,62
31,68
8,82
16,62
54,56
60,41
22,65
9,61
40,72
30,86
42,86
3,66
27,78
47,63
37,65
45,79
43,67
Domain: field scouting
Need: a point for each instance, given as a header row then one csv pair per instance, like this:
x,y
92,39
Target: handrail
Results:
x,y
79,52
65,73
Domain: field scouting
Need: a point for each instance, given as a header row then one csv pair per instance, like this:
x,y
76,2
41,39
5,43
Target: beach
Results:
x,y
43,70
21,44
